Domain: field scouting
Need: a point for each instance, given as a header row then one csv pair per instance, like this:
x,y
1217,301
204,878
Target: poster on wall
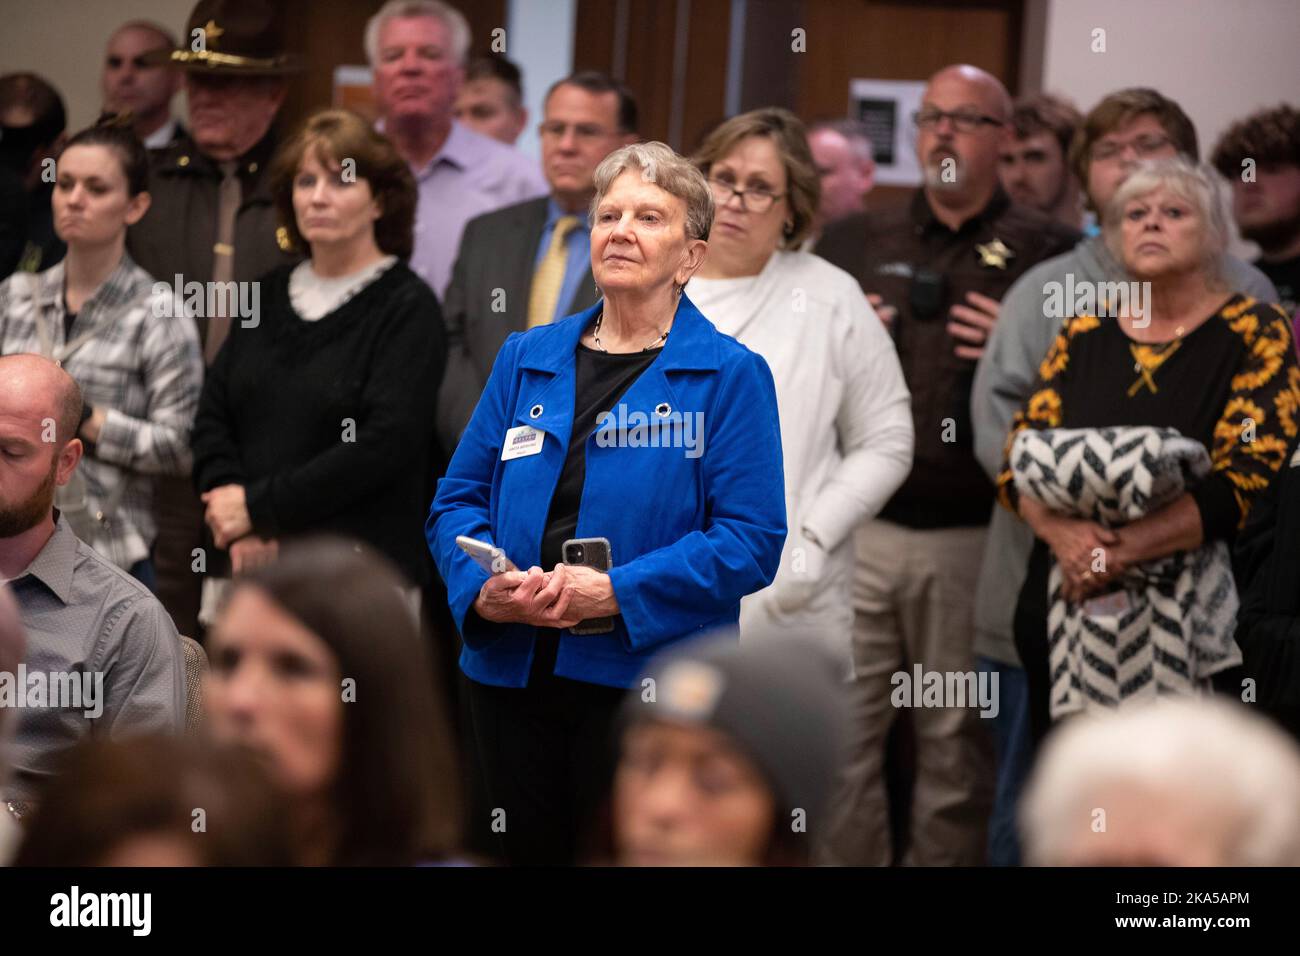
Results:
x,y
886,108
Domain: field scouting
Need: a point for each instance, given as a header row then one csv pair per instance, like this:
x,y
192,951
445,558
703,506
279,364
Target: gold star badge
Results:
x,y
211,32
995,254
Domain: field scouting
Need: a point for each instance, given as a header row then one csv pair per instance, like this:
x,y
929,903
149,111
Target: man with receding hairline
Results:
x,y
146,90
83,615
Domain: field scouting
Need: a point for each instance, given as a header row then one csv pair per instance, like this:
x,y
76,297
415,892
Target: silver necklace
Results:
x,y
595,336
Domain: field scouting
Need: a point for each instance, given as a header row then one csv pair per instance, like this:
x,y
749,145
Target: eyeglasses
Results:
x,y
1144,146
751,200
586,131
964,121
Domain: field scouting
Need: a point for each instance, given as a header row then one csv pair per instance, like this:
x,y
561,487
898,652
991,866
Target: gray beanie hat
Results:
x,y
779,697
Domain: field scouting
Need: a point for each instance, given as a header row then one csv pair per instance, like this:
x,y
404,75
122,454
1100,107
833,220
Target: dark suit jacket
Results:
x,y
487,300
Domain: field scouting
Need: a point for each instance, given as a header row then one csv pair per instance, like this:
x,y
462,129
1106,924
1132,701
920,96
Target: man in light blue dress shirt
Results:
x,y
417,53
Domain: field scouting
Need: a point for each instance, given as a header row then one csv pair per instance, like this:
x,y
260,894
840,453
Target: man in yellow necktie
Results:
x,y
529,264
549,276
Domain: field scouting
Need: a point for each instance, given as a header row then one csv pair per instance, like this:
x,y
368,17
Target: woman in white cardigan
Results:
x,y
846,424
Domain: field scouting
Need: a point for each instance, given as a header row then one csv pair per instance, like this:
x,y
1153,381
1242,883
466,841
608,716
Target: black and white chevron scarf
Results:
x,y
1172,625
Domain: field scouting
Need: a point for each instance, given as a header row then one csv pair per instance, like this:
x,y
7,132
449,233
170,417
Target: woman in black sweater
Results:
x,y
319,415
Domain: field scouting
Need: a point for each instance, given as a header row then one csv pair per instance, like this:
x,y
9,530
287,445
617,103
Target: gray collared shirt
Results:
x,y
89,619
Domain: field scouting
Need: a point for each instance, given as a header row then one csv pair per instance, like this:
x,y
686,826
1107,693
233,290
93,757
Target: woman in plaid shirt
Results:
x,y
130,346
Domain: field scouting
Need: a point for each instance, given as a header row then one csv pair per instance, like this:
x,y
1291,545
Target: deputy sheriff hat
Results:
x,y
233,37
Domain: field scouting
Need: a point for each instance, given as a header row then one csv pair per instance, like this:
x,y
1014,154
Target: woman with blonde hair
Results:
x,y
1185,393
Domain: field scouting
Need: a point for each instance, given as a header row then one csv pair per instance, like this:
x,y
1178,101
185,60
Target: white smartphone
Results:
x,y
487,556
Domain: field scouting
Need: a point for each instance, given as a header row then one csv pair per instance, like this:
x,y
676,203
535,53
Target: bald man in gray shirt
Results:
x,y
103,657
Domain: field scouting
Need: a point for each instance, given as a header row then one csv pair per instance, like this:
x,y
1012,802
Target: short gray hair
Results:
x,y
855,133
1197,184
672,173
1233,767
450,17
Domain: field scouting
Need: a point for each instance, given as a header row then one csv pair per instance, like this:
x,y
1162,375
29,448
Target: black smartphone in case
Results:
x,y
593,553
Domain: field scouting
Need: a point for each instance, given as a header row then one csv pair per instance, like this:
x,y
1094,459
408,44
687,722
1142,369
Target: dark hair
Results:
x,y
1045,113
396,791
113,131
496,67
786,131
111,791
593,81
29,92
1270,136
337,135
1119,109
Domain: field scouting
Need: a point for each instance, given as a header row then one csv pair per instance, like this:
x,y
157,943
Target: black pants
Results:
x,y
179,515
1030,631
545,753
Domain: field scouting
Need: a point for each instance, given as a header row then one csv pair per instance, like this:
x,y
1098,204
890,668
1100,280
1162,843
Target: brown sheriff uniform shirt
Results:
x,y
922,268
178,232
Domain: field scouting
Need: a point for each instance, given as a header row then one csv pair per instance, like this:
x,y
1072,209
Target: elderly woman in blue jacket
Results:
x,y
635,421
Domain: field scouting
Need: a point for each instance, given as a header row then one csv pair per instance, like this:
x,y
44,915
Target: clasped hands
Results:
x,y
1078,545
232,528
558,598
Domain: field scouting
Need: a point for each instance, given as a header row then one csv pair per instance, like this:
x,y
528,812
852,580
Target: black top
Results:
x,y
601,380
1267,564
328,425
1239,364
13,220
44,247
1285,276
922,267
69,318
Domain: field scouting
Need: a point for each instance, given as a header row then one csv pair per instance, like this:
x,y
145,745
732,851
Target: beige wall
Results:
x,y
1220,60
63,41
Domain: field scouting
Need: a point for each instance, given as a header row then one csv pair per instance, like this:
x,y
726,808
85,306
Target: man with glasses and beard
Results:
x,y
83,615
942,262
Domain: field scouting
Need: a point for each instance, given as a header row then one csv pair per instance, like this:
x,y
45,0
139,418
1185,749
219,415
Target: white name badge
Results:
x,y
522,442
1115,604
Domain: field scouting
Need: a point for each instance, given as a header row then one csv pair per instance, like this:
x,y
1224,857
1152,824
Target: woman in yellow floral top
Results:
x,y
1216,365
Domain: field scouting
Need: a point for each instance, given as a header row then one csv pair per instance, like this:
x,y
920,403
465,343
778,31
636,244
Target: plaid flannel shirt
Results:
x,y
140,362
